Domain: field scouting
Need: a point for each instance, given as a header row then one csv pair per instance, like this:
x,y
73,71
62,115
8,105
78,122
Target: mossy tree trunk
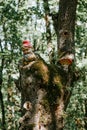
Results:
x,y
45,88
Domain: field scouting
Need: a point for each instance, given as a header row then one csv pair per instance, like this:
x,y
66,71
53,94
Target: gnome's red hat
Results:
x,y
27,43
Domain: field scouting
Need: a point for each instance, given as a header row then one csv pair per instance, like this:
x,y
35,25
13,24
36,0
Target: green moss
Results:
x,y
46,104
30,127
51,80
40,69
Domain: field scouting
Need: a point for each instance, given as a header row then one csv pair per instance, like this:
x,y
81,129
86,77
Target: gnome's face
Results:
x,y
26,49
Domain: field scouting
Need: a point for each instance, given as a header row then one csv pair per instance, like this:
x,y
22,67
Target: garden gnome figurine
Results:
x,y
28,54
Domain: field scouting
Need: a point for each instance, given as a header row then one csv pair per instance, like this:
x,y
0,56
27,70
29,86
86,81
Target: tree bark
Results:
x,y
66,27
1,95
85,118
42,96
44,88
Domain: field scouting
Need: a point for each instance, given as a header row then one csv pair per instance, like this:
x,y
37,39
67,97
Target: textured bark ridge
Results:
x,y
42,96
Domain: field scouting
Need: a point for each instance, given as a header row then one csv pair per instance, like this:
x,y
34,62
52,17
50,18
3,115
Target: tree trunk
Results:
x,y
47,21
3,123
42,96
66,27
44,88
85,118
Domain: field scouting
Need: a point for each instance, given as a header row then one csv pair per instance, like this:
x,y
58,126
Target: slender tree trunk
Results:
x,y
46,17
44,88
1,95
48,31
85,119
3,111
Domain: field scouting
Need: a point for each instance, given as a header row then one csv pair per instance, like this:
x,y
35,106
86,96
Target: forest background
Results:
x,y
26,19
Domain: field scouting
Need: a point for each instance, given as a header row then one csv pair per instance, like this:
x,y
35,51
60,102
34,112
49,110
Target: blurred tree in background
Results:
x,y
33,20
